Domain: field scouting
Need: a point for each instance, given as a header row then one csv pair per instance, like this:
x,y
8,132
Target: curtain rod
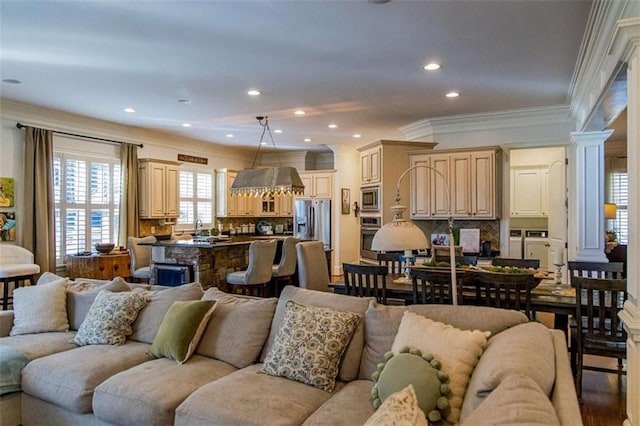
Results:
x,y
22,126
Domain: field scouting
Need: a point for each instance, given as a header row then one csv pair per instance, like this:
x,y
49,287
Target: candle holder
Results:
x,y
558,279
408,259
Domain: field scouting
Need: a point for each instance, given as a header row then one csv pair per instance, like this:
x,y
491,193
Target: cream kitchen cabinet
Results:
x,y
284,205
158,186
228,205
317,184
370,166
419,195
529,192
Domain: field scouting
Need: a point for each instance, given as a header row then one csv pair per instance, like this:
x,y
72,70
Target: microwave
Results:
x,y
370,199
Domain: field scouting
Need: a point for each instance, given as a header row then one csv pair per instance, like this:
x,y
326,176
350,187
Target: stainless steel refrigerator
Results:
x,y
312,220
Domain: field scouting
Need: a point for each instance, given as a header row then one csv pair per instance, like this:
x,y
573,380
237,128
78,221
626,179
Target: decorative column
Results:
x,y
586,196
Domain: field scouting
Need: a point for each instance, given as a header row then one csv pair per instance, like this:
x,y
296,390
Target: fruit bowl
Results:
x,y
104,248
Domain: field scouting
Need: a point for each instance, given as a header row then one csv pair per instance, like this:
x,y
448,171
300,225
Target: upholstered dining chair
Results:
x,y
313,273
258,274
140,253
366,281
284,270
16,268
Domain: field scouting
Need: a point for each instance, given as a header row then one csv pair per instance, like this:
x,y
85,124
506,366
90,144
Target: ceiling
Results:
x,y
357,64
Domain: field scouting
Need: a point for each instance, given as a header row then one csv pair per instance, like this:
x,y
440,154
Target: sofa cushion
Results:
x,y
400,408
81,294
348,406
526,349
149,393
181,329
309,344
351,358
382,322
237,322
262,399
148,322
40,308
40,344
68,379
457,350
109,319
518,400
12,361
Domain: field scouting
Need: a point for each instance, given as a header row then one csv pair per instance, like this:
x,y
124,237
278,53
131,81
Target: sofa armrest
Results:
x,y
564,397
6,322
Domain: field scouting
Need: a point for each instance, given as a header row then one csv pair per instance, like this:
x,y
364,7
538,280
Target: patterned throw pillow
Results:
x,y
309,344
110,317
400,408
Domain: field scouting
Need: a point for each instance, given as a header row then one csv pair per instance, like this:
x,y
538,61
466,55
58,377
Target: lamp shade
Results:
x,y
268,181
399,235
610,211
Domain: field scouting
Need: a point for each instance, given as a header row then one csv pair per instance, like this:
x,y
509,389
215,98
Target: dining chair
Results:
x,y
595,270
313,273
519,263
392,260
140,253
460,260
284,270
434,286
366,281
599,331
507,291
258,274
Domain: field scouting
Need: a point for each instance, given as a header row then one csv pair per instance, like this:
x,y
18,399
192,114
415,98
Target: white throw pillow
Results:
x,y
40,308
458,351
399,409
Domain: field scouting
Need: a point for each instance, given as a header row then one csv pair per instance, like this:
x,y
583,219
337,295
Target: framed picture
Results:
x,y
7,226
6,191
346,200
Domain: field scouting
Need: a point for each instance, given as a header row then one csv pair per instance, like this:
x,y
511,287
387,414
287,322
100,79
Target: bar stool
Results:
x,y
258,273
16,268
284,270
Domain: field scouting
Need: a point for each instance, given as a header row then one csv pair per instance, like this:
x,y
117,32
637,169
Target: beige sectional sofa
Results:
x,y
221,384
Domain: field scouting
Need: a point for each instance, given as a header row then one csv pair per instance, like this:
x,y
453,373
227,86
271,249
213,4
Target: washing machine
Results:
x,y
515,243
536,246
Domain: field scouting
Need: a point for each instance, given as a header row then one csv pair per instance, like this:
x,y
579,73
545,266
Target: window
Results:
x,y
196,199
87,201
618,190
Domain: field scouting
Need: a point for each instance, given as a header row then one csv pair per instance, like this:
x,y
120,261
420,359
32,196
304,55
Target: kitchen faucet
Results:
x,y
198,226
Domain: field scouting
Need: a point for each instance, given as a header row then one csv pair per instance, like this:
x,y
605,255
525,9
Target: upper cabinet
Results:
x,y
317,184
370,166
529,191
463,181
228,205
158,186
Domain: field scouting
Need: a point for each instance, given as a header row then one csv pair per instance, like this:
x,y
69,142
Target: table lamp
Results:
x,y
403,235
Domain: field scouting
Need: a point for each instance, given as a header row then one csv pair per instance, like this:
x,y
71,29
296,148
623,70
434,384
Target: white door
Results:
x,y
557,210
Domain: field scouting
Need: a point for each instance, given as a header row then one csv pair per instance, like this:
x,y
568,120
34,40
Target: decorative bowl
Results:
x,y
104,248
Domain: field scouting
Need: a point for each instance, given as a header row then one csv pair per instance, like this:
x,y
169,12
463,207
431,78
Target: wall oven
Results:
x,y
370,199
369,225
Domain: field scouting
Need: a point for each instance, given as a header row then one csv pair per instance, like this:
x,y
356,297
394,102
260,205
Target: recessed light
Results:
x,y
11,81
452,95
307,139
254,92
299,112
229,135
332,126
357,135
129,110
432,67
277,131
186,124
184,101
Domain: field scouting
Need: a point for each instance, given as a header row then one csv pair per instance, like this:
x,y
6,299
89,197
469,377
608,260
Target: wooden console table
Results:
x,y
99,266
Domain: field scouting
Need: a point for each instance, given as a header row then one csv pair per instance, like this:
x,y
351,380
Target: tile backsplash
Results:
x,y
489,229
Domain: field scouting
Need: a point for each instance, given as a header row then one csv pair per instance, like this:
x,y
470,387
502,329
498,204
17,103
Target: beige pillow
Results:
x,y
148,322
81,294
517,401
237,322
40,308
400,408
457,350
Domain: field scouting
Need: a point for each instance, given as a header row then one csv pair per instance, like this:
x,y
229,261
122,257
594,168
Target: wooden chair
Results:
x,y
258,274
366,281
598,329
520,263
595,270
507,291
392,260
435,285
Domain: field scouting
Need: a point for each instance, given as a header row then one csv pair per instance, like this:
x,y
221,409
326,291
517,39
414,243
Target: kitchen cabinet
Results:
x,y
370,166
317,184
529,192
284,205
226,205
469,176
158,189
268,206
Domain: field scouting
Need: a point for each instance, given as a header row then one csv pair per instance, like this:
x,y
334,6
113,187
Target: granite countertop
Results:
x,y
208,242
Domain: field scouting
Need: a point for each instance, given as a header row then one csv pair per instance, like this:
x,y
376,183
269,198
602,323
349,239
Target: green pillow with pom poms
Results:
x,y
422,371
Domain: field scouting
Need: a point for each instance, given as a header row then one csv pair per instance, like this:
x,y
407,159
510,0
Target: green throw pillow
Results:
x,y
410,367
181,329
